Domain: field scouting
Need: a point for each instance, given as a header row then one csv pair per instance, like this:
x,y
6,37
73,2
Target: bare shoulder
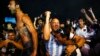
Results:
x,y
26,18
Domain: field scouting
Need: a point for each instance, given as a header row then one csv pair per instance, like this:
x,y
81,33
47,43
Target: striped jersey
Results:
x,y
53,47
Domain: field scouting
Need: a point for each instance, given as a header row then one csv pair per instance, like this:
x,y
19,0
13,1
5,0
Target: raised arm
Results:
x,y
91,11
46,30
27,21
87,16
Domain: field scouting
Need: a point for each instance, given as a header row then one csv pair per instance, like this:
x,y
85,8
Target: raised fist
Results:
x,y
90,10
47,13
83,11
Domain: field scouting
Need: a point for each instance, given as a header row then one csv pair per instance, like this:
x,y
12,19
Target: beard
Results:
x,y
12,11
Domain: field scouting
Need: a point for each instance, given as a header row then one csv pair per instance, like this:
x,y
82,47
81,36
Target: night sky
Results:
x,y
61,8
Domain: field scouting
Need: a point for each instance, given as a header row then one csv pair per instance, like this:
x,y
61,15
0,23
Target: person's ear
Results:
x,y
17,6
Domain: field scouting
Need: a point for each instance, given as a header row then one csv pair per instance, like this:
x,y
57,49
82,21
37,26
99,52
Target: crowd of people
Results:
x,y
46,36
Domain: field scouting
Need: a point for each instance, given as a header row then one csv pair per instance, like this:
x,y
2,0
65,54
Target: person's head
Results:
x,y
62,25
67,21
40,22
11,34
12,6
81,22
55,24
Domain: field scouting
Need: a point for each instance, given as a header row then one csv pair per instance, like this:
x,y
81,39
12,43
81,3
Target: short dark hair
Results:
x,y
81,18
11,31
16,1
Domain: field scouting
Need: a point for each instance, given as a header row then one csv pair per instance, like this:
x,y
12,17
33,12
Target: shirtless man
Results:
x,y
24,25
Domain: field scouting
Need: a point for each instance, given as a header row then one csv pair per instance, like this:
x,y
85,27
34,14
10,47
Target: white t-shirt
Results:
x,y
83,32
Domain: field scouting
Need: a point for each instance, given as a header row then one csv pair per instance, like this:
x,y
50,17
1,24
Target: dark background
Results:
x,y
62,8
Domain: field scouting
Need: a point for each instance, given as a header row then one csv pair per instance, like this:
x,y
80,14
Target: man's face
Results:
x,y
55,24
11,36
40,22
12,5
81,22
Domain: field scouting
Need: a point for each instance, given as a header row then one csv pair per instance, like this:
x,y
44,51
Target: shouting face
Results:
x,y
55,24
